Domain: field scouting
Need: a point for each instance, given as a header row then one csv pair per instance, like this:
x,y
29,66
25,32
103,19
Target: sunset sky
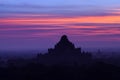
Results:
x,y
38,24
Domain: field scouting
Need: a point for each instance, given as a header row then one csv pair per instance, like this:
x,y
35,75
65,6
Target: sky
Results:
x,y
39,24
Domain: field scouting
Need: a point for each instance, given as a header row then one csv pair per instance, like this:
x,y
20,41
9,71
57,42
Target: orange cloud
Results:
x,y
66,20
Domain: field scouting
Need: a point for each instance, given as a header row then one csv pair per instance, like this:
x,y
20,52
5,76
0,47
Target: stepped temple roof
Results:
x,y
64,46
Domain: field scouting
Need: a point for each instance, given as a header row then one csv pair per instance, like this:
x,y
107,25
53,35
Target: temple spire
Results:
x,y
64,44
64,38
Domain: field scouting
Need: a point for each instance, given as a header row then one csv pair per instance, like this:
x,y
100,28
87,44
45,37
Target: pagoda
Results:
x,y
64,46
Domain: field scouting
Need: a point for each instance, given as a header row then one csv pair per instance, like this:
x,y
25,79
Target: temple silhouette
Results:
x,y
64,53
64,46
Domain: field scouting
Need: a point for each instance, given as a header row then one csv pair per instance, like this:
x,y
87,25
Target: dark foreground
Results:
x,y
97,71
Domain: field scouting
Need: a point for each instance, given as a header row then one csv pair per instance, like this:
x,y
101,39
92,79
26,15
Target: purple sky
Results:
x,y
27,25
